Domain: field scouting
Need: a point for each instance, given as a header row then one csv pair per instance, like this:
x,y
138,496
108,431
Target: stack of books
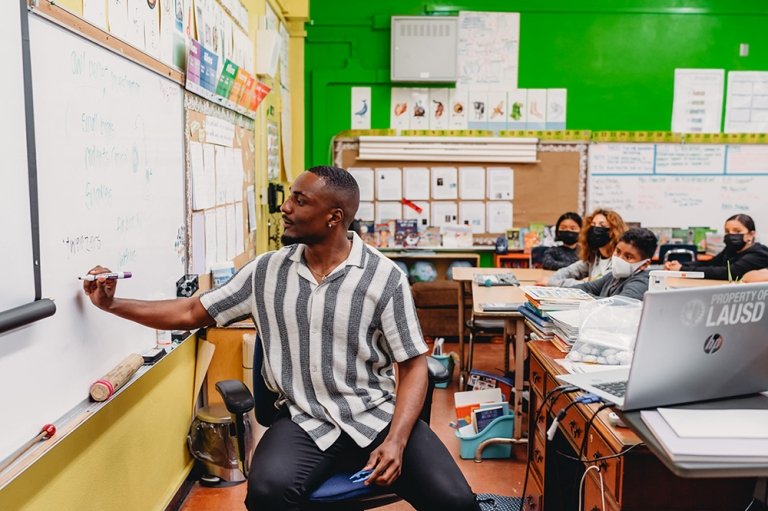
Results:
x,y
709,436
566,326
548,299
538,322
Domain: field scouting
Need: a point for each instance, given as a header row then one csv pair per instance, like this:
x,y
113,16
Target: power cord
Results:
x,y
588,426
586,399
550,396
581,487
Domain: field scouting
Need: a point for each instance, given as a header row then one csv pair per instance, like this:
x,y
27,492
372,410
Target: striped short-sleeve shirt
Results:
x,y
329,347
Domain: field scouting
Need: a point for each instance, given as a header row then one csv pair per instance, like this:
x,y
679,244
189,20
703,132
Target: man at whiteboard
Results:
x,y
334,315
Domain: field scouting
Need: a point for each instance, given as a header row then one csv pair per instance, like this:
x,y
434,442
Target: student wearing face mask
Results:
x,y
629,275
742,253
567,231
597,241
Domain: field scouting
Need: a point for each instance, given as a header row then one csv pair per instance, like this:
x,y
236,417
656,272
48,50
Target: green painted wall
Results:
x,y
616,58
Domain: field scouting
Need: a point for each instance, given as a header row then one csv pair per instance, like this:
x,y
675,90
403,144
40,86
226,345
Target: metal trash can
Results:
x,y
212,442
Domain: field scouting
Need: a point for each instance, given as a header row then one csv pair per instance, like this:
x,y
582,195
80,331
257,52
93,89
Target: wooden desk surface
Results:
x,y
632,481
619,438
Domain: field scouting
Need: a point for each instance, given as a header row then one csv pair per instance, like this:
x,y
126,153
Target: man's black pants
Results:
x,y
287,466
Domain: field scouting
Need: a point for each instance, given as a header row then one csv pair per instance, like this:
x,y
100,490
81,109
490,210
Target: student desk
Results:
x,y
635,480
513,323
526,276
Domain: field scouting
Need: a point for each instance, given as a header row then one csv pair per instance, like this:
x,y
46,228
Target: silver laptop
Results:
x,y
692,344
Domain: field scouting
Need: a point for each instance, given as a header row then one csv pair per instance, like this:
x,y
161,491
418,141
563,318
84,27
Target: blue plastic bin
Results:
x,y
447,361
501,427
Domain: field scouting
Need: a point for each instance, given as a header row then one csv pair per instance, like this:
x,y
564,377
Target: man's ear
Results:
x,y
336,216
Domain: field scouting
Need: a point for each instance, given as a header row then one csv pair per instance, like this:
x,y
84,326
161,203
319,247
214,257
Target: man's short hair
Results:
x,y
642,239
344,187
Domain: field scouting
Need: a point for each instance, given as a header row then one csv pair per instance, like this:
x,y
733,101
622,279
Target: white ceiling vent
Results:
x,y
424,48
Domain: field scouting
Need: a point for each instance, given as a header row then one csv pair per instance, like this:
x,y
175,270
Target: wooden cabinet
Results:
x,y
441,260
632,477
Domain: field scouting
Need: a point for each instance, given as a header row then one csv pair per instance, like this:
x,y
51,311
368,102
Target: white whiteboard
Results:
x,y
111,190
16,240
675,185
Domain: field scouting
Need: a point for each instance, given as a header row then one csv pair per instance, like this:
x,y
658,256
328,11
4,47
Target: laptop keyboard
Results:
x,y
616,388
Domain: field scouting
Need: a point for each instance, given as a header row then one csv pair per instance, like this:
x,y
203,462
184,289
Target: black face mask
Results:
x,y
567,237
734,242
598,237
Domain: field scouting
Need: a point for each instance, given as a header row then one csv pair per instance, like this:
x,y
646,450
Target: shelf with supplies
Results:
x,y
512,260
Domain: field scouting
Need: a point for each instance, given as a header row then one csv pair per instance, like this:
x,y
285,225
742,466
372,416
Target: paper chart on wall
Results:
x,y
557,100
231,232
472,183
223,163
438,109
746,107
444,183
472,213
250,194
444,213
422,218
459,109
501,183
386,211
198,243
364,178
365,211
487,49
220,215
239,229
400,109
499,216
698,100
420,109
416,183
360,108
197,169
389,184
211,256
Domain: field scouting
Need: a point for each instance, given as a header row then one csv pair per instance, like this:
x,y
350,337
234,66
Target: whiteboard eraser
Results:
x,y
153,355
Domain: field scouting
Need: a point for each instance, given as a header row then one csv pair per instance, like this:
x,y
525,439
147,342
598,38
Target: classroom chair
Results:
x,y
677,252
337,493
478,326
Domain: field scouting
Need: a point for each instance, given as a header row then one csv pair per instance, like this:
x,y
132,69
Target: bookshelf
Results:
x,y
512,260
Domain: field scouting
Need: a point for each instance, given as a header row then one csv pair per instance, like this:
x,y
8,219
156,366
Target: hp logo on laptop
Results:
x,y
713,343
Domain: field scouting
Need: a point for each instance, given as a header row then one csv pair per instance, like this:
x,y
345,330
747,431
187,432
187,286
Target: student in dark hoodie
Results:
x,y
742,253
629,274
567,231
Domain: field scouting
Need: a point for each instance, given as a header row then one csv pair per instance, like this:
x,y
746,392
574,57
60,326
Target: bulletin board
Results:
x,y
542,190
216,129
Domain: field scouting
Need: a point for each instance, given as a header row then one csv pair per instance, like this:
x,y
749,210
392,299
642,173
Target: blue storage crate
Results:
x,y
501,427
447,361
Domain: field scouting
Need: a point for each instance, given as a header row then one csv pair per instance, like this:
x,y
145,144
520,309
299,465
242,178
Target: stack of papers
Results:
x,y
711,436
549,299
566,326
